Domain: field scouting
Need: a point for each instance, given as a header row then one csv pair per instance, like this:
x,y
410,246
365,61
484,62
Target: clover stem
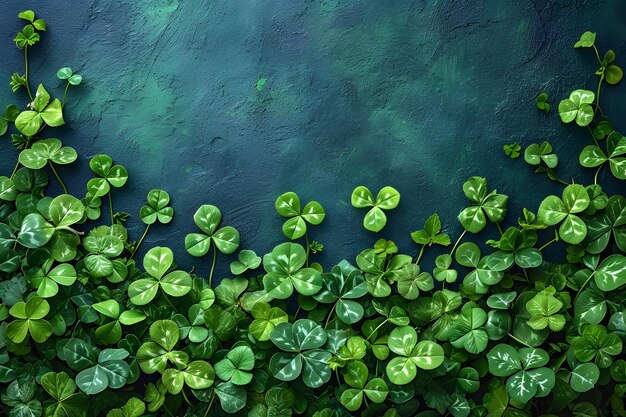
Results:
x,y
376,329
169,413
519,341
586,282
111,209
549,243
365,401
598,93
206,413
213,264
594,138
185,397
56,174
145,232
306,240
499,229
419,256
26,72
597,54
330,314
69,229
560,181
457,242
595,177
65,95
168,300
297,311
17,164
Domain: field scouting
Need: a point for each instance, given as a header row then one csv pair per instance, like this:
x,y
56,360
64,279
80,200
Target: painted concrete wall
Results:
x,y
234,102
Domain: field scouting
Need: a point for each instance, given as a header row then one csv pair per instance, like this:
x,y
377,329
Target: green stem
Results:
x,y
586,282
419,257
556,239
297,312
306,240
595,177
598,94
26,74
111,208
206,413
330,314
213,264
560,181
168,300
17,164
597,55
519,341
56,174
457,242
185,397
376,329
145,232
499,229
65,95
593,137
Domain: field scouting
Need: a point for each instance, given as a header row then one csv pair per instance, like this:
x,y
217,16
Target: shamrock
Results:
x,y
208,218
554,210
403,368
192,326
66,73
577,107
528,376
536,154
512,150
27,37
266,318
46,151
442,271
356,376
157,208
288,205
29,320
29,16
478,280
47,279
109,175
19,395
431,234
43,111
592,156
103,244
609,70
196,375
300,343
388,198
603,225
467,330
587,40
515,247
155,354
134,407
598,345
66,401
110,331
236,366
247,259
542,102
411,279
284,272
340,287
492,204
543,309
157,262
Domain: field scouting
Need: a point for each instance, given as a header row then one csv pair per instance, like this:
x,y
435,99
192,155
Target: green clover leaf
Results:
x,y
554,210
388,198
288,205
284,272
487,205
577,107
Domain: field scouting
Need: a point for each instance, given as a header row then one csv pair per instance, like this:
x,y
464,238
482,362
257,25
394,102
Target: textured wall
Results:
x,y
234,102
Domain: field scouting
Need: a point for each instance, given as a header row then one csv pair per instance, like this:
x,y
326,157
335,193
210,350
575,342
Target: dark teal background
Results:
x,y
419,95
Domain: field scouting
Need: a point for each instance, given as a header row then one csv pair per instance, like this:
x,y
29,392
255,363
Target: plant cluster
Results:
x,y
86,329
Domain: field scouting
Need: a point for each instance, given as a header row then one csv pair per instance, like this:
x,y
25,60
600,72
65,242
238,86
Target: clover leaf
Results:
x,y
554,210
536,154
586,40
577,107
66,73
543,309
62,389
232,397
47,151
431,234
246,260
492,205
467,330
288,205
27,37
515,247
266,318
208,219
611,72
47,279
584,377
29,321
478,280
236,366
512,150
300,343
542,102
109,175
19,395
284,272
592,156
388,198
155,354
134,407
196,375
110,331
192,326
356,376
598,345
29,16
29,122
157,263
527,375
442,271
426,354
610,274
103,244
157,208
340,287
411,280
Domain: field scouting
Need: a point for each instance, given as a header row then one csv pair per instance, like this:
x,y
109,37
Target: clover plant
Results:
x,y
88,330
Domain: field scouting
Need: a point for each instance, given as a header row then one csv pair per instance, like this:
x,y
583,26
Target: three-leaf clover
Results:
x,y
528,376
103,244
27,37
554,210
467,330
155,354
610,71
577,107
47,279
157,208
109,175
208,219
536,154
157,263
340,287
598,345
192,326
403,368
236,366
492,205
356,376
515,247
592,156
62,389
542,102
387,199
431,233
246,260
43,111
266,318
300,343
196,375
110,331
284,272
543,309
288,205
512,150
29,320
46,151
478,280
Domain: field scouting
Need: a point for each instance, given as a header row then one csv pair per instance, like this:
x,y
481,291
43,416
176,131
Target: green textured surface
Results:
x,y
232,103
